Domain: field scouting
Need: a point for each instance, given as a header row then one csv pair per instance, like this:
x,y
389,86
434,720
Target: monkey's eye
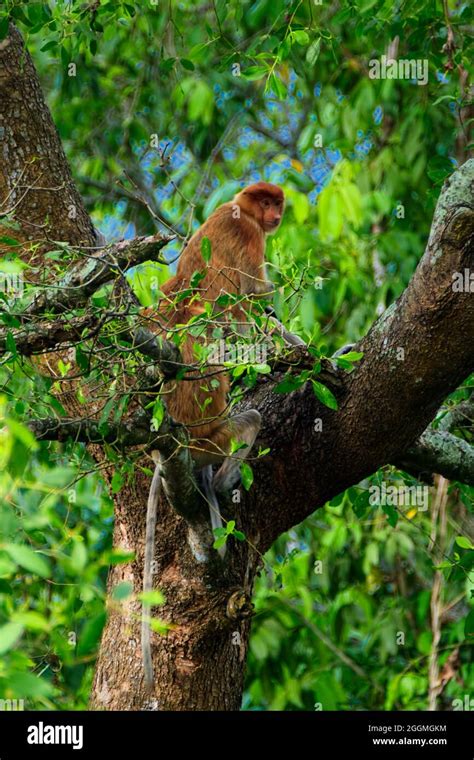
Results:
x,y
265,203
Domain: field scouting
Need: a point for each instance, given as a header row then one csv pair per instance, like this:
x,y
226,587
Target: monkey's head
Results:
x,y
264,202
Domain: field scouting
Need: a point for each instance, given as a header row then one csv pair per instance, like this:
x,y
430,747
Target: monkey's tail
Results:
x,y
211,496
151,514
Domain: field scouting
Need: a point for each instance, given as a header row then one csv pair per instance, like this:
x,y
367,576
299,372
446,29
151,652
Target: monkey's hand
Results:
x,y
276,327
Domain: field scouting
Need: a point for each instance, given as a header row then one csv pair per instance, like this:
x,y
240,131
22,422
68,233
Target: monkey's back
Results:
x,y
196,403
193,402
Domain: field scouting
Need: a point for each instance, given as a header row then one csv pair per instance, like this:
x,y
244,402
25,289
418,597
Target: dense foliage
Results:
x,y
164,112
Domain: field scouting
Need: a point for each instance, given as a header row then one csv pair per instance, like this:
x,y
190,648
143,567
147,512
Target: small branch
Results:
x,y
118,190
47,335
134,431
460,416
85,277
171,440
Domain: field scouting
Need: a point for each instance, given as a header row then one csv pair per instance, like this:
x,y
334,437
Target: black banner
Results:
x,y
376,734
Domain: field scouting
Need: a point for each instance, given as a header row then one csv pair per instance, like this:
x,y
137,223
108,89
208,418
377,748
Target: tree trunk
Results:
x,y
414,356
35,180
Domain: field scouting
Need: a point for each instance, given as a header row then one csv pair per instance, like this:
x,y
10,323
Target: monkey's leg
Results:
x,y
244,427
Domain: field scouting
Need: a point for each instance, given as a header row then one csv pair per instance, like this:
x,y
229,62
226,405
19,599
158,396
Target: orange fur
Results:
x,y
236,231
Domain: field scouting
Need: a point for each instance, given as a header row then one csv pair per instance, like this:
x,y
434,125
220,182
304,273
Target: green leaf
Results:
x,y
288,384
313,51
324,395
300,36
160,626
82,358
277,85
22,434
26,685
392,515
308,310
464,542
351,356
219,542
158,413
28,559
31,620
7,567
91,634
152,598
9,634
246,473
361,504
106,413
469,625
186,64
443,97
117,481
122,591
4,27
206,249
119,557
12,242
10,344
255,72
196,278
78,559
49,45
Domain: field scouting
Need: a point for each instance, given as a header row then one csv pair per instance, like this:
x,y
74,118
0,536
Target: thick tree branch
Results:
x,y
47,334
86,277
134,431
443,453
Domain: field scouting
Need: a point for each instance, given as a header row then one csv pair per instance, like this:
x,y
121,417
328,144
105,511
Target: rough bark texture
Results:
x,y
36,181
385,404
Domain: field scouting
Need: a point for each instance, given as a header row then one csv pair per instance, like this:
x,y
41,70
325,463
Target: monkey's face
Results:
x,y
265,203
271,213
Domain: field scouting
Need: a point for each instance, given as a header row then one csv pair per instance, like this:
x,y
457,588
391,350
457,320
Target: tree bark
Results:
x,y
414,356
35,182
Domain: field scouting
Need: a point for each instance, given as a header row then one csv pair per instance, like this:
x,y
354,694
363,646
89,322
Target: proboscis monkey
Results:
x,y
236,232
